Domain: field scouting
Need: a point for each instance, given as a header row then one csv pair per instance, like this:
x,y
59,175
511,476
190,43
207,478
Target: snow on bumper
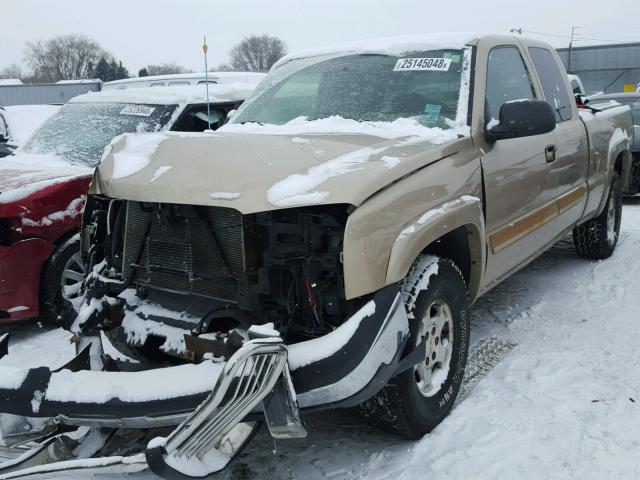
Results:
x,y
20,268
170,391
341,369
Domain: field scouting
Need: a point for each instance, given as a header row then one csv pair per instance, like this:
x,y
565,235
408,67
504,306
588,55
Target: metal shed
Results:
x,y
44,93
606,68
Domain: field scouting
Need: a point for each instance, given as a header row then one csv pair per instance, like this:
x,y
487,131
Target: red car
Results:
x,y
43,185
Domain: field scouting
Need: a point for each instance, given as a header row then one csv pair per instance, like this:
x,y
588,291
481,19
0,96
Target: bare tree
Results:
x,y
65,57
257,53
12,71
165,69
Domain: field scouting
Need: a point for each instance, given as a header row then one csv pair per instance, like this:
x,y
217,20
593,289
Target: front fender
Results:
x,y
464,211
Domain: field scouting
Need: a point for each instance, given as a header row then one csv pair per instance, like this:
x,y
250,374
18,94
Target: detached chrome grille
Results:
x,y
179,253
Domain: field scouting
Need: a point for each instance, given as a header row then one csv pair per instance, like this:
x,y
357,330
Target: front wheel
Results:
x,y
598,237
62,278
437,304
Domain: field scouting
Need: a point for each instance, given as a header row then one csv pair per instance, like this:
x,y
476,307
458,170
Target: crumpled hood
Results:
x,y
23,175
254,172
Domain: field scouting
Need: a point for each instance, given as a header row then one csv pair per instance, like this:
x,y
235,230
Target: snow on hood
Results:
x,y
23,120
254,173
174,95
23,174
402,127
395,46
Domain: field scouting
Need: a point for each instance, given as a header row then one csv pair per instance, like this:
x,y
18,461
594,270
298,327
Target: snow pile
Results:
x,y
399,128
149,385
305,353
224,195
295,189
24,174
159,172
173,95
12,377
437,212
138,325
73,210
393,46
136,153
23,120
10,81
390,162
266,330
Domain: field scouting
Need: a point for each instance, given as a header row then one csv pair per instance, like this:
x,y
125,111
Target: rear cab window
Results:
x,y
553,82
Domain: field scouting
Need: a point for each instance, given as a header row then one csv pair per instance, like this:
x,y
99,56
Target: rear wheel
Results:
x,y
416,401
62,278
598,237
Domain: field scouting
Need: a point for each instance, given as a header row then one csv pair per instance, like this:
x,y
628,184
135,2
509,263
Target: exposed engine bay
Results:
x,y
213,272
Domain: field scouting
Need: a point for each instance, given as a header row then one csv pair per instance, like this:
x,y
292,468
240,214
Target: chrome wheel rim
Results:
x,y
72,277
436,328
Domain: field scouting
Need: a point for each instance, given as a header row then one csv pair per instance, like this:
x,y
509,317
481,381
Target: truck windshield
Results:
x,y
78,132
369,88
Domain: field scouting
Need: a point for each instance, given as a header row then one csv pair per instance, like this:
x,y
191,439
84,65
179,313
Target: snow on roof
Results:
x,y
388,45
82,80
248,77
10,81
170,95
24,119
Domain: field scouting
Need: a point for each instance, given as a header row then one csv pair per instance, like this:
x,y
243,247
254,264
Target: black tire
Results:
x,y
51,289
598,237
401,406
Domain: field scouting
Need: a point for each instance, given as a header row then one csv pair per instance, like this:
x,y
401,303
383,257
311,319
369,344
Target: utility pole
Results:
x,y
573,30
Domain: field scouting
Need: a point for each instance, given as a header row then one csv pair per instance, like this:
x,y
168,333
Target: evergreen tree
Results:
x,y
102,70
113,70
121,72
143,72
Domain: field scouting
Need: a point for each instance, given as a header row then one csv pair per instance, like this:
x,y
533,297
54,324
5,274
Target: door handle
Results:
x,y
550,153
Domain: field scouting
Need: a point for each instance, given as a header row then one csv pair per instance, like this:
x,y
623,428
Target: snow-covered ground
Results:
x,y
564,403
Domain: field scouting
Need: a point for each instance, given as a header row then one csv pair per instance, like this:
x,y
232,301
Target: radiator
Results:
x,y
179,254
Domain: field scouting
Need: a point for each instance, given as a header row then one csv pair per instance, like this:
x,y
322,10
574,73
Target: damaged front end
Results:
x,y
213,321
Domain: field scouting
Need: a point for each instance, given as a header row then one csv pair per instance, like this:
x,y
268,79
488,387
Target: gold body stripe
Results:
x,y
517,230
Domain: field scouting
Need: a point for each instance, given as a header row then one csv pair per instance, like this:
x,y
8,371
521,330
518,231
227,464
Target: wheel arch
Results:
x,y
622,164
457,236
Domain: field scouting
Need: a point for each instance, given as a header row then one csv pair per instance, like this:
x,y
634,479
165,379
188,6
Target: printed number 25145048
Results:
x,y
433,64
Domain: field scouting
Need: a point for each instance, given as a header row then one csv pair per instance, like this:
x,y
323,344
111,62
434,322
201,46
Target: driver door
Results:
x,y
521,185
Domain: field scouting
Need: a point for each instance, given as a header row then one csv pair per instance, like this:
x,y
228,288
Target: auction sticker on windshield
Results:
x,y
137,110
430,64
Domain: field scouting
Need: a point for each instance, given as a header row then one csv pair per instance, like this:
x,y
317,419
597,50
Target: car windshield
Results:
x,y
78,132
422,85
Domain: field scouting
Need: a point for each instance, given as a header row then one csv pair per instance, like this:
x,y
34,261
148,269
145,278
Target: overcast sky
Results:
x,y
140,32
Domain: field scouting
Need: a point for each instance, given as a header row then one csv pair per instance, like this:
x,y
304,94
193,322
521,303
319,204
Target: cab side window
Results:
x,y
553,83
508,80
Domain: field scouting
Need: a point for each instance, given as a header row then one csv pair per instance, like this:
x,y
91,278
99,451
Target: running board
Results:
x,y
209,438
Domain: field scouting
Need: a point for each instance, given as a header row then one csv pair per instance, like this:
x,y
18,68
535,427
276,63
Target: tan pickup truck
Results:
x,y
323,249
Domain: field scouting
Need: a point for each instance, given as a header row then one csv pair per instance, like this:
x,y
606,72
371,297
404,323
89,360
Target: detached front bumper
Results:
x,y
343,368
20,269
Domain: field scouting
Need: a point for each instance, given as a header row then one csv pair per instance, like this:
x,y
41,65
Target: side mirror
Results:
x,y
522,118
